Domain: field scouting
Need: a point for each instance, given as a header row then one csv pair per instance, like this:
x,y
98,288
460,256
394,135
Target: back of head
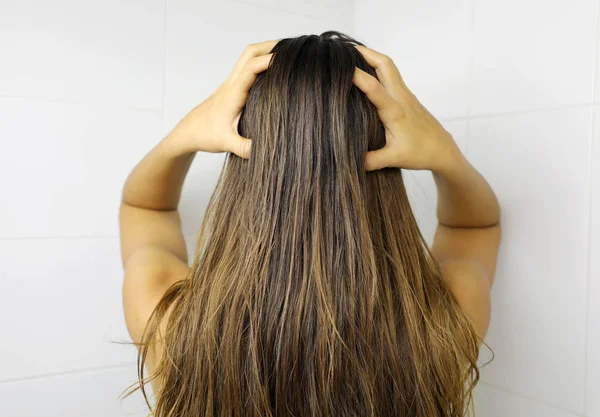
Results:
x,y
312,291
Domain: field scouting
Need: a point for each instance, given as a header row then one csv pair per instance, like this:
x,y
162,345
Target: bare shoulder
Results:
x,y
149,272
470,285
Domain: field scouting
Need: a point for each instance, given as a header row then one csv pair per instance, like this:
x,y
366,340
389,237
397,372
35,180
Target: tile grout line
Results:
x,y
518,112
588,272
84,237
67,373
595,54
590,190
526,397
75,101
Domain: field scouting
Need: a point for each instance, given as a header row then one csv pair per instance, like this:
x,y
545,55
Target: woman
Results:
x,y
312,291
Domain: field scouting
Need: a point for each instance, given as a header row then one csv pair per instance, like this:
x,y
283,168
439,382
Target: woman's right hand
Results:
x,y
212,126
414,138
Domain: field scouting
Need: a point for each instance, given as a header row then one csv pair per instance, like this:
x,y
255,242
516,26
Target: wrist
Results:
x,y
177,143
451,163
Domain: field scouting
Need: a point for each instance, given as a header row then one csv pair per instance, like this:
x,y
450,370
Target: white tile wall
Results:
x,y
593,314
81,394
532,54
109,51
86,89
492,402
320,9
68,162
61,305
367,24
538,302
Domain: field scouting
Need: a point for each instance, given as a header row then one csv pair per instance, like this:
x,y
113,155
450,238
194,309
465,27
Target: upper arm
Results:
x,y
468,258
149,272
467,281
140,227
154,256
474,245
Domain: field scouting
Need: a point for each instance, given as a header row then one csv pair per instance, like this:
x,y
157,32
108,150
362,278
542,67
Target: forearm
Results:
x,y
465,199
156,181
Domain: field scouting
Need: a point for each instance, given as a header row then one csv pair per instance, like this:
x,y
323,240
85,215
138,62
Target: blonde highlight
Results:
x,y
312,291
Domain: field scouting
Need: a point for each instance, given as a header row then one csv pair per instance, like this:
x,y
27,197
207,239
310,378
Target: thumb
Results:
x,y
377,159
241,146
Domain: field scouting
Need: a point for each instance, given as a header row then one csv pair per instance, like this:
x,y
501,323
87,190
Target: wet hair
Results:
x,y
312,291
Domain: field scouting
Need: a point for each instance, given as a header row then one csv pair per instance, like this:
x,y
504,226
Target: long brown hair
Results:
x,y
312,291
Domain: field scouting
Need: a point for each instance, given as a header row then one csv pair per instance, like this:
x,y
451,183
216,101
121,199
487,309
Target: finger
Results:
x,y
377,159
250,71
376,93
387,72
240,146
251,51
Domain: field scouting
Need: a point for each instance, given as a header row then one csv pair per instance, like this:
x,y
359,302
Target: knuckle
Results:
x,y
386,60
250,48
371,84
252,63
395,113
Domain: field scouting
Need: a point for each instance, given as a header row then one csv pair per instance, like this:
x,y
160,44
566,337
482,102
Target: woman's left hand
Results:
x,y
212,126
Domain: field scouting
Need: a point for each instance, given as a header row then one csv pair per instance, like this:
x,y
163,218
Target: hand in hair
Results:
x,y
414,138
212,126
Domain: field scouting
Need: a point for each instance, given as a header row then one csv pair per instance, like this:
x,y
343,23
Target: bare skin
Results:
x,y
153,249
